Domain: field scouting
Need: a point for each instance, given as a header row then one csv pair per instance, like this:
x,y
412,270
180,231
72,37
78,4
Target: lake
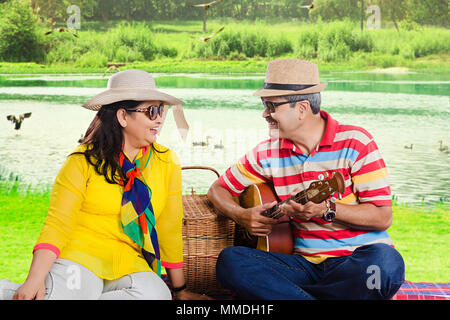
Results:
x,y
399,109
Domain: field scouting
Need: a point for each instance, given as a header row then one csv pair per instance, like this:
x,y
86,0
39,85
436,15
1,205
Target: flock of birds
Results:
x,y
442,148
18,120
207,143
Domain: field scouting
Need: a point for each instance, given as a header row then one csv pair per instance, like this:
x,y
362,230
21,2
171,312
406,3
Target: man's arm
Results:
x,y
250,218
364,216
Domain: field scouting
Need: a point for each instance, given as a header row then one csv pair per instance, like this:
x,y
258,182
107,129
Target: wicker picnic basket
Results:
x,y
205,234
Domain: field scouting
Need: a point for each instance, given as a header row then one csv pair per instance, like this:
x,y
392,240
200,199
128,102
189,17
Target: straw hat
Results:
x,y
130,85
140,86
289,77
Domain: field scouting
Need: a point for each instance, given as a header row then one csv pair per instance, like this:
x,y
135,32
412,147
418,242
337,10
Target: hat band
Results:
x,y
291,87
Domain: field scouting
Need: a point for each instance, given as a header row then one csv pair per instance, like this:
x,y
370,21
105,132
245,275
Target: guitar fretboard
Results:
x,y
275,211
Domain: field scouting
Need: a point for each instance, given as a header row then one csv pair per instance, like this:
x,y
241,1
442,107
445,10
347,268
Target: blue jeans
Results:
x,y
373,271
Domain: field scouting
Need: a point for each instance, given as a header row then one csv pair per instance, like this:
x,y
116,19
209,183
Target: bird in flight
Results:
x,y
206,39
61,29
205,5
18,120
309,6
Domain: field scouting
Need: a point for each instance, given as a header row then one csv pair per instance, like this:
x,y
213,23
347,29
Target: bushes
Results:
x,y
18,38
333,42
135,42
92,60
412,44
239,43
339,41
124,43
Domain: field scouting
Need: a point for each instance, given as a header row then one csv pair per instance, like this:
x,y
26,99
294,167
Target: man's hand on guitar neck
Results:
x,y
304,212
256,224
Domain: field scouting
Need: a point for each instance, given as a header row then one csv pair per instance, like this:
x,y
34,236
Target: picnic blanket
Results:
x,y
423,291
408,291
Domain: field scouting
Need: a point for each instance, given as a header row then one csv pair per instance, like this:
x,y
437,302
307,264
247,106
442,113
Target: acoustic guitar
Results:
x,y
281,239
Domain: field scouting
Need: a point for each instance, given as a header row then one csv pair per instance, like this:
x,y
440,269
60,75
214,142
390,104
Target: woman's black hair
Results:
x,y
104,140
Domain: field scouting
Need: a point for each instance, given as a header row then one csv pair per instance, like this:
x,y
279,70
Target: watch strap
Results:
x,y
332,205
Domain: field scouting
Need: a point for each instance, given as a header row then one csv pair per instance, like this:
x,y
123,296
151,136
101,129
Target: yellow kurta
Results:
x,y
83,220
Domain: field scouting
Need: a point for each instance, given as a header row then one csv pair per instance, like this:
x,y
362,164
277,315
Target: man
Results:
x,y
341,248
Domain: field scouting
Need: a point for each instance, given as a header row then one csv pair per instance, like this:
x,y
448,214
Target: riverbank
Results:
x,y
419,234
439,64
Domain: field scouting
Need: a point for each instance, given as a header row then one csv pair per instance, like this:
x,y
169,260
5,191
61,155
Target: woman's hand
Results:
x,y
188,295
30,291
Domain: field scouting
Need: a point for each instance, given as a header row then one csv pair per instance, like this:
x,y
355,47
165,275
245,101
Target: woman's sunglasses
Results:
x,y
151,111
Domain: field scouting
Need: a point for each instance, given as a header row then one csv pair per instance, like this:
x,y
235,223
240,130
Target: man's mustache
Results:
x,y
270,119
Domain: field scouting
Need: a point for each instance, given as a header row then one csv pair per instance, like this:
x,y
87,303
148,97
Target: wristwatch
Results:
x,y
330,215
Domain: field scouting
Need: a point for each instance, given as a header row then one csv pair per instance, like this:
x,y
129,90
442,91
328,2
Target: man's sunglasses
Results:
x,y
270,106
151,111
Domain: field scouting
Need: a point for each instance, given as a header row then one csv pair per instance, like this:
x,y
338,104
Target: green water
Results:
x,y
410,83
397,109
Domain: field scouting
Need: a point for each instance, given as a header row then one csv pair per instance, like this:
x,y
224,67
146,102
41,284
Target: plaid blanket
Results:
x,y
408,291
423,291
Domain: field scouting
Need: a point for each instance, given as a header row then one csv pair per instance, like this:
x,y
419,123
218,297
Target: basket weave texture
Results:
x,y
205,234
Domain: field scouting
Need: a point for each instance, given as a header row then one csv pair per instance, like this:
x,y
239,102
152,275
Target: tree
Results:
x,y
18,38
393,10
337,9
427,12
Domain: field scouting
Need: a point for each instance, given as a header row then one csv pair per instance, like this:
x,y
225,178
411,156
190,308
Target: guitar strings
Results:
x,y
302,195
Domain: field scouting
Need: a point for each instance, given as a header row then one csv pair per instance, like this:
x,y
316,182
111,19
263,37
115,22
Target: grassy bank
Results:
x,y
243,47
421,236
432,64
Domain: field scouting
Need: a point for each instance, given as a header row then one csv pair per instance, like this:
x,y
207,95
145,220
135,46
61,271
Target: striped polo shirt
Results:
x,y
345,148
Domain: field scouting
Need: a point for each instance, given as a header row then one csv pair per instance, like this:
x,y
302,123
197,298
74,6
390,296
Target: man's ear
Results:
x,y
121,115
303,108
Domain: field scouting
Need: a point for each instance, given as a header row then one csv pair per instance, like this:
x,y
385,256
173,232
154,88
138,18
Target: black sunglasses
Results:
x,y
151,111
270,106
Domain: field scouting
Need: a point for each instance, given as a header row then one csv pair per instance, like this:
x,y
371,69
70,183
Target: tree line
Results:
x,y
433,12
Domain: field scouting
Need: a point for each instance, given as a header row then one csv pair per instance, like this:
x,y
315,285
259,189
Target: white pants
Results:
x,y
68,280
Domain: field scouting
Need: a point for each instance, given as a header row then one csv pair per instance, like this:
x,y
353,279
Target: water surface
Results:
x,y
398,110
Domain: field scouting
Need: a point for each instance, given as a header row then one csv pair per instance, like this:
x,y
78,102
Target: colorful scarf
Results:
x,y
137,217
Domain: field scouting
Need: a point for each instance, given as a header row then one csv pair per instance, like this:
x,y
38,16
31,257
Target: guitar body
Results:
x,y
280,240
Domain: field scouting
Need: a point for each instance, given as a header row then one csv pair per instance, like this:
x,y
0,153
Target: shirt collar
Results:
x,y
330,131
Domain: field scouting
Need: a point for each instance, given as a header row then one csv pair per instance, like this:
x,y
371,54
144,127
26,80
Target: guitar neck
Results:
x,y
275,211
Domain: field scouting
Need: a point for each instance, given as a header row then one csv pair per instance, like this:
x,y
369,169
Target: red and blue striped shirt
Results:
x,y
345,148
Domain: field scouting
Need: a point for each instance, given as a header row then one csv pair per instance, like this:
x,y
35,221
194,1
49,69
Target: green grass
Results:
x,y
243,47
421,235
21,221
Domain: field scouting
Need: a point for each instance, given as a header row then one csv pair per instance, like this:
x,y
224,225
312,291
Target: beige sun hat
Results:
x,y
137,85
290,76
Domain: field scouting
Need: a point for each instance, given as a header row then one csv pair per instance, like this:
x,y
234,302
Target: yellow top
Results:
x,y
84,225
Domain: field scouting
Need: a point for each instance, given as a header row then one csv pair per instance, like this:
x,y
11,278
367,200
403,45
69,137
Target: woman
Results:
x,y
115,211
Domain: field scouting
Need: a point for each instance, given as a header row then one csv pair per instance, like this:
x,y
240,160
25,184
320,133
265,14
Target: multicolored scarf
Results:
x,y
137,217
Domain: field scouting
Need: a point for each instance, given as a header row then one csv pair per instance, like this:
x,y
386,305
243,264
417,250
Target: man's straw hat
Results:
x,y
137,85
290,77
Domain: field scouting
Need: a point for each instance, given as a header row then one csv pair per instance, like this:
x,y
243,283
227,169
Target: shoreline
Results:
x,y
229,67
